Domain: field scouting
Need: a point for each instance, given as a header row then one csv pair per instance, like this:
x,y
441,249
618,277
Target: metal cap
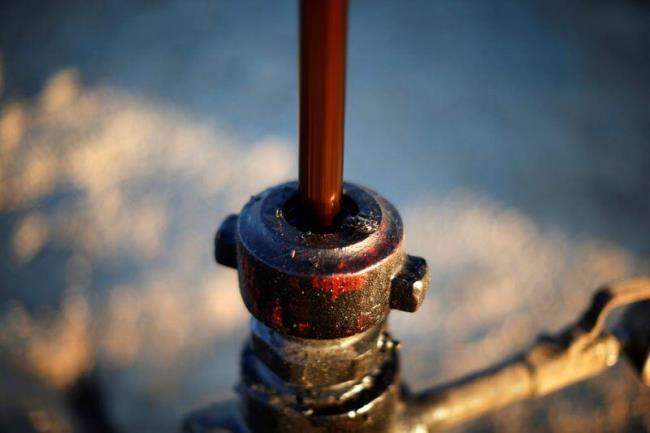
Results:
x,y
321,285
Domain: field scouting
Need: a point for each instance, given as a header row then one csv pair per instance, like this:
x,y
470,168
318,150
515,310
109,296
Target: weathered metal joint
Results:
x,y
321,284
311,364
319,357
346,384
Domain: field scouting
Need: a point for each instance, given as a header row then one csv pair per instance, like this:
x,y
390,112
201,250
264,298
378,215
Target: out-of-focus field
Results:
x,y
511,135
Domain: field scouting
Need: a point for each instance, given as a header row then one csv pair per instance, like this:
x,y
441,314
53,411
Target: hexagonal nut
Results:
x,y
409,286
312,363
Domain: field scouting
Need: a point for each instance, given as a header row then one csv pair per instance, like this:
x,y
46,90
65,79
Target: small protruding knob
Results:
x,y
225,242
409,286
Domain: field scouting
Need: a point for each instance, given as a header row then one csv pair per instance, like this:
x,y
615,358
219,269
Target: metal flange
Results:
x,y
321,284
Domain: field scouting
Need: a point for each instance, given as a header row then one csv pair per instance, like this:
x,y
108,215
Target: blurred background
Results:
x,y
512,135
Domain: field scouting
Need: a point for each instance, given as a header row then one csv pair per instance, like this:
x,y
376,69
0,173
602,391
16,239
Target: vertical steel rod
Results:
x,y
323,35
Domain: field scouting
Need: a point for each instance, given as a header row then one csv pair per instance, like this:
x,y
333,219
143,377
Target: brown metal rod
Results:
x,y
323,35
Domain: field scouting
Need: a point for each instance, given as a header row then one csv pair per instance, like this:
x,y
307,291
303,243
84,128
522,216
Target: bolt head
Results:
x,y
409,286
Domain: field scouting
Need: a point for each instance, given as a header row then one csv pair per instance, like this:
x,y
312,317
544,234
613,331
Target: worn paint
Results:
x,y
336,285
303,327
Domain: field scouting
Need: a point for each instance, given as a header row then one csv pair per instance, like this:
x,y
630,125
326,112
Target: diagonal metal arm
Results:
x,y
582,351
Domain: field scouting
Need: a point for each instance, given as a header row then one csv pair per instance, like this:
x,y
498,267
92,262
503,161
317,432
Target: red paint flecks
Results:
x,y
341,265
276,317
303,328
362,321
336,285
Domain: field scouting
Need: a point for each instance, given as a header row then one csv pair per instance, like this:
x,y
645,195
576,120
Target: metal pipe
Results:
x,y
544,369
323,35
581,351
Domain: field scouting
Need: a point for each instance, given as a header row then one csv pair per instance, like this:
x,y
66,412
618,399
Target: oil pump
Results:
x,y
322,262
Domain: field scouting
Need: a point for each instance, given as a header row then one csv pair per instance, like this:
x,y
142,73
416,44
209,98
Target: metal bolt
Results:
x,y
409,286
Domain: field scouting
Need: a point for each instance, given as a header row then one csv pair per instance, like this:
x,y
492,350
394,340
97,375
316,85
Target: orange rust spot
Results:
x,y
336,285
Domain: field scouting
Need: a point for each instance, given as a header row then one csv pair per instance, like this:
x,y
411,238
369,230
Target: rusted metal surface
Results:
x,y
321,285
323,34
319,357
